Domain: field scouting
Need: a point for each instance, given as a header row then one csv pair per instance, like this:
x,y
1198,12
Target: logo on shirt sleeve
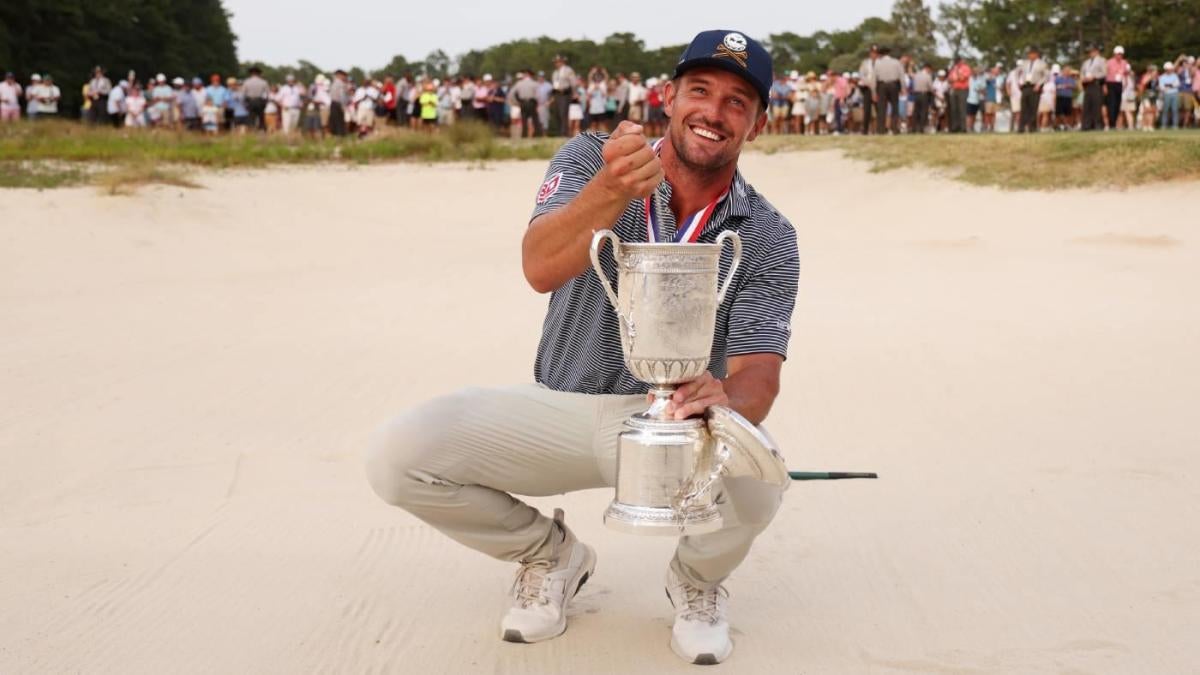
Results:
x,y
549,188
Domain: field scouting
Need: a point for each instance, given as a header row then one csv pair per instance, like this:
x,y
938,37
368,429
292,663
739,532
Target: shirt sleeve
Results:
x,y
573,166
761,314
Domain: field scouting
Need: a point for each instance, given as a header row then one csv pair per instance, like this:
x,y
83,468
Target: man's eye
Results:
x,y
698,90
738,102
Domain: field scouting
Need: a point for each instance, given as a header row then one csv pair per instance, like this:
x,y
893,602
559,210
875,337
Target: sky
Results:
x,y
369,32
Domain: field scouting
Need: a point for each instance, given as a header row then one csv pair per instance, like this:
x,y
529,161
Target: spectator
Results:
x,y
339,96
10,98
46,95
597,97
1129,99
316,110
256,91
637,98
655,118
960,91
365,99
941,94
1148,92
993,94
387,97
1113,78
219,94
922,92
561,81
1065,86
1185,69
483,94
135,105
1046,99
99,89
1032,74
866,83
544,93
235,104
523,96
888,74
115,107
428,102
976,94
1168,88
210,116
1092,76
161,103
271,110
290,98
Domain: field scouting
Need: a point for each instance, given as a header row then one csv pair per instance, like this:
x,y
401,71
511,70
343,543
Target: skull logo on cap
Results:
x,y
735,42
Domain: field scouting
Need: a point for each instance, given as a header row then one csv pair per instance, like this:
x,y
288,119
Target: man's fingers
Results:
x,y
625,128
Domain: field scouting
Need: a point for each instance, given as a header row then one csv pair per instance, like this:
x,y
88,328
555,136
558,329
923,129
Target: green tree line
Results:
x,y
68,38
193,37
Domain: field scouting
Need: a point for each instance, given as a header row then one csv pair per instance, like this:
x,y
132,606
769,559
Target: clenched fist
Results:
x,y
631,169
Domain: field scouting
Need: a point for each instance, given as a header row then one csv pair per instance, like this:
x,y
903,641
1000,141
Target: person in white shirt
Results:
x,y
46,95
637,98
135,106
365,98
10,99
116,104
291,100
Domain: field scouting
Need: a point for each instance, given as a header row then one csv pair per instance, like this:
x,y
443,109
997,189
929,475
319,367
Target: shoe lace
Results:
x,y
530,582
702,605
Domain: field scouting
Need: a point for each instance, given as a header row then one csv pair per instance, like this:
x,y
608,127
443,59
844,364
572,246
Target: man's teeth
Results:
x,y
705,133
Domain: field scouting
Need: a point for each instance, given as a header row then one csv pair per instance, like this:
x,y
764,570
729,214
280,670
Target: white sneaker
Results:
x,y
701,633
542,588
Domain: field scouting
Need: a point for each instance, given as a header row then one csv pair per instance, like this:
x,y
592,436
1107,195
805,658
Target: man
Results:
x,y
781,95
1032,74
1092,75
188,115
544,93
46,95
562,81
219,94
1114,76
453,462
960,91
1185,67
115,108
98,90
922,94
993,85
866,84
387,96
637,98
339,96
524,96
1168,93
256,90
888,73
10,98
291,100
621,96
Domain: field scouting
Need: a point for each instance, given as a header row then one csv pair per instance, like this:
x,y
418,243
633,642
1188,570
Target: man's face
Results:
x,y
712,115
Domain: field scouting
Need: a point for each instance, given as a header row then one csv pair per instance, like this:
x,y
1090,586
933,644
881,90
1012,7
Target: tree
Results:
x,y
953,22
437,64
914,27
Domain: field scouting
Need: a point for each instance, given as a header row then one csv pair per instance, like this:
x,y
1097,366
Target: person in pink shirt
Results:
x,y
1115,73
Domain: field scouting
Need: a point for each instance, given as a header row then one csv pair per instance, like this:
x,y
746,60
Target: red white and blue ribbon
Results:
x,y
691,226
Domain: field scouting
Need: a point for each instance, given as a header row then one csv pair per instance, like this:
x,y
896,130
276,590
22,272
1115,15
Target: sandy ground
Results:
x,y
188,379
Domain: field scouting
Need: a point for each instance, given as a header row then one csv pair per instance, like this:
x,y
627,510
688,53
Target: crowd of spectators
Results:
x,y
885,95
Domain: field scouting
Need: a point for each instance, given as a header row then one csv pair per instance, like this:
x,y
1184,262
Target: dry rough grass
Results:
x,y
1051,161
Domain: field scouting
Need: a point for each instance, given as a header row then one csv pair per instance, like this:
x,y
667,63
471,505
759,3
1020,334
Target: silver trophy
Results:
x,y
667,310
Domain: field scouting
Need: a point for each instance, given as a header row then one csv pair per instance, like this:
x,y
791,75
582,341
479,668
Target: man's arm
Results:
x,y
555,247
750,388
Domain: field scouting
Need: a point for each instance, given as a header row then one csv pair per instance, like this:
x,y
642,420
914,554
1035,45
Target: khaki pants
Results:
x,y
453,461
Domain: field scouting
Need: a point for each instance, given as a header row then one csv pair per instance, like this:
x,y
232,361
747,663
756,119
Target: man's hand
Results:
x,y
694,397
631,168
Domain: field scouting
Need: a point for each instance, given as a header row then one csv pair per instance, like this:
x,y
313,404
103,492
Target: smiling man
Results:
x,y
456,461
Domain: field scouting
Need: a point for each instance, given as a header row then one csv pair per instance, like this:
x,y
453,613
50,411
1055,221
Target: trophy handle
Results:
x,y
737,260
598,243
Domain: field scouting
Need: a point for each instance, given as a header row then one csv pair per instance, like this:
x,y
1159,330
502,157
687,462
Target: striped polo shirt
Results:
x,y
580,348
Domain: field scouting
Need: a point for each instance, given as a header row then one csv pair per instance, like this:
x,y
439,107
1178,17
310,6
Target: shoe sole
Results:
x,y
589,570
699,659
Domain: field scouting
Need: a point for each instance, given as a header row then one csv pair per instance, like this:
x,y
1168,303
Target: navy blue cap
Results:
x,y
732,51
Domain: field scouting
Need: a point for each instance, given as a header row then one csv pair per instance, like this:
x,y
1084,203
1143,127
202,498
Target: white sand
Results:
x,y
188,379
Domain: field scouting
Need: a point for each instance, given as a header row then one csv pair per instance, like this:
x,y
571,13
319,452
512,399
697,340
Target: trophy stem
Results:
x,y
662,396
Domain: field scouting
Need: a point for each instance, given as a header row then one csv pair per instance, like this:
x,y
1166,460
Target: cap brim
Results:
x,y
726,65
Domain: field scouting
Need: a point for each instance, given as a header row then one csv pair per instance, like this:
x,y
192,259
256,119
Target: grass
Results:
x,y
59,153
1051,161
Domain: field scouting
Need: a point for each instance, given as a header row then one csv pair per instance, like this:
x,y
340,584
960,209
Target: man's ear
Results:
x,y
669,97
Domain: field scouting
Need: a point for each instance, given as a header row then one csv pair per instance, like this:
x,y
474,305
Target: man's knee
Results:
x,y
754,501
399,459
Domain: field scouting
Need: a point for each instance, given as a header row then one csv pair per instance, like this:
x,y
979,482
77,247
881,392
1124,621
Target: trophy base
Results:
x,y
658,520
